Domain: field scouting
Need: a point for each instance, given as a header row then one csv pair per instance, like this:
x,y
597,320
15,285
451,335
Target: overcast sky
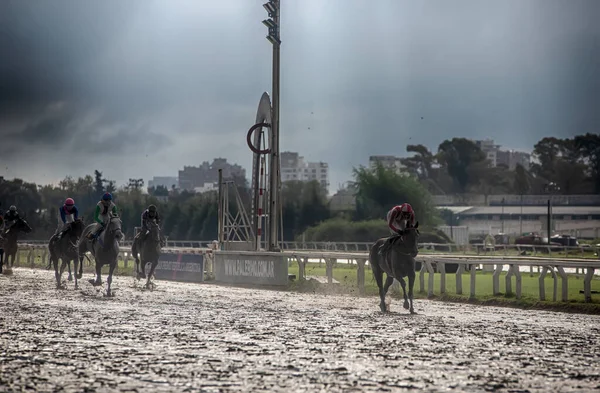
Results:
x,y
140,88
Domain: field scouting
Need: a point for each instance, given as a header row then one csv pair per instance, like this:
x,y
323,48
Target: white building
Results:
x,y
388,162
507,158
294,168
165,181
580,221
206,188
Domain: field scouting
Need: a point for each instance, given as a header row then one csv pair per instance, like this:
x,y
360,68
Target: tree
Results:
x,y
521,183
588,148
463,161
379,189
98,183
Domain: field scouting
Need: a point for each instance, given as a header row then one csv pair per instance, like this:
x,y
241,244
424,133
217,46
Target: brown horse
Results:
x,y
398,261
66,249
11,236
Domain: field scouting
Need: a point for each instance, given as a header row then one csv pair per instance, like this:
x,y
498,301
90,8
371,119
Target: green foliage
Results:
x,y
380,189
341,230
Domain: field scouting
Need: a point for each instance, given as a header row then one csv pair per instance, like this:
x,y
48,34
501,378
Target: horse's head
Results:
x,y
22,225
154,230
411,239
76,228
114,227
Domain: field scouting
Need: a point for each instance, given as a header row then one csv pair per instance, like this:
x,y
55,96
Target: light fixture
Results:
x,y
269,23
273,40
270,8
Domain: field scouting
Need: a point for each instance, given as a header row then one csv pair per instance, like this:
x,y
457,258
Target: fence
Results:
x,y
554,266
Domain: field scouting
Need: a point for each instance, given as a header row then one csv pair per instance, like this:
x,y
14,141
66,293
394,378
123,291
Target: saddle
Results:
x,y
387,245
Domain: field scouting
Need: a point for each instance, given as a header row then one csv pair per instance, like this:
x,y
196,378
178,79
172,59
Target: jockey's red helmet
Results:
x,y
406,210
69,202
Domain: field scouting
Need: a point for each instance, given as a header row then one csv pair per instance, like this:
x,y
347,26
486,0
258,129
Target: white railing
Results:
x,y
430,263
502,249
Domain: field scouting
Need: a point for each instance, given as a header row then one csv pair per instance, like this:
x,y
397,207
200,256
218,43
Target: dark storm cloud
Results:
x,y
180,80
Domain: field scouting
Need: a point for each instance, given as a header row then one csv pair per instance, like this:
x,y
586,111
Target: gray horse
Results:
x,y
66,250
10,245
149,250
105,249
398,261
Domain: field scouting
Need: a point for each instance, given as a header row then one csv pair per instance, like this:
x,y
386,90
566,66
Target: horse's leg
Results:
x,y
411,284
70,278
54,261
1,259
403,285
98,274
113,265
75,263
63,265
388,283
152,267
378,274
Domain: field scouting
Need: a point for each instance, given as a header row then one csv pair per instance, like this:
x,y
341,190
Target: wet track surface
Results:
x,y
186,337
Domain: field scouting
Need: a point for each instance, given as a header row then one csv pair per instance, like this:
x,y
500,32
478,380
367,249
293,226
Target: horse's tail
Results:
x,y
374,258
134,251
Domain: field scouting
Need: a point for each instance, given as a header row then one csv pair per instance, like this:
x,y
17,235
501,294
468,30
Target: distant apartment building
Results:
x,y
165,181
344,200
193,177
293,167
507,158
388,162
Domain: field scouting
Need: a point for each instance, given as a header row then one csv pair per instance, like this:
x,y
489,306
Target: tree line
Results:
x,y
568,166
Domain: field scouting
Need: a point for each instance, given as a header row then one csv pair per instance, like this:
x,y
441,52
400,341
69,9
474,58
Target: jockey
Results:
x,y
104,209
400,217
67,214
11,216
150,214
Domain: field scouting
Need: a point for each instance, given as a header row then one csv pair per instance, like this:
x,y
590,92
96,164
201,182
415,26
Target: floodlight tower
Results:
x,y
272,22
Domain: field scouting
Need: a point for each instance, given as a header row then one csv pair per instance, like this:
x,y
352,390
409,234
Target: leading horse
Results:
x,y
11,236
66,250
397,262
104,248
149,250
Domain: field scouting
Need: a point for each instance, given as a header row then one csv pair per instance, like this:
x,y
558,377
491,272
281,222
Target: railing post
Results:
x,y
301,268
422,277
430,278
541,283
508,280
459,273
441,266
496,279
518,281
329,269
587,284
473,276
360,275
565,283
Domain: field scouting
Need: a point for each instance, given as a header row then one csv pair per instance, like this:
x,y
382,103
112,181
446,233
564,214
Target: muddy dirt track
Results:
x,y
186,337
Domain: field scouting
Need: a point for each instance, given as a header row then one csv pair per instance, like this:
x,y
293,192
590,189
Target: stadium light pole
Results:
x,y
272,23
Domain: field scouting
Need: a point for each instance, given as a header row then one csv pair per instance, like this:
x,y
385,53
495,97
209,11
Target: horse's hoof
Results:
x,y
70,278
413,312
79,276
406,306
382,307
94,282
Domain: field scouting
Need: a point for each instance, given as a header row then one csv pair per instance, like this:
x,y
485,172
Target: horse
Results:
x,y
66,250
148,252
10,241
105,249
397,262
